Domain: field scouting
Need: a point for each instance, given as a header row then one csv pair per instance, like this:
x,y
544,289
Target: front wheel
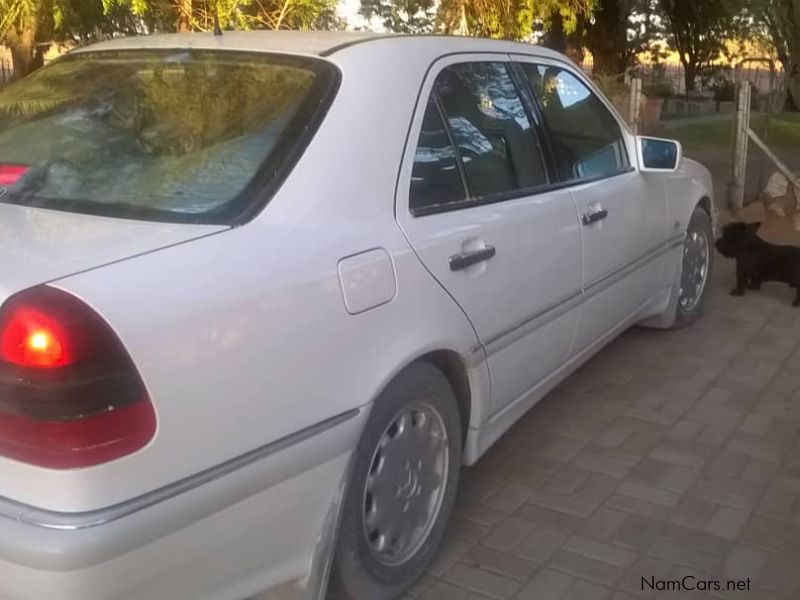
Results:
x,y
696,267
402,487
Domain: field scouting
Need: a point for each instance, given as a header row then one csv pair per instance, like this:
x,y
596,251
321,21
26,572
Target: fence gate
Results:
x,y
743,133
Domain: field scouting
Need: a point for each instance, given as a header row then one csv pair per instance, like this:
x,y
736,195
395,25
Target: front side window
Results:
x,y
490,128
175,135
586,138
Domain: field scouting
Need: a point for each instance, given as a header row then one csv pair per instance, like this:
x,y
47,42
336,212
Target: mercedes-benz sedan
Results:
x,y
264,294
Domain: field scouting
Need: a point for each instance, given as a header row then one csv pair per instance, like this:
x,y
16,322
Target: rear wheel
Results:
x,y
697,265
402,487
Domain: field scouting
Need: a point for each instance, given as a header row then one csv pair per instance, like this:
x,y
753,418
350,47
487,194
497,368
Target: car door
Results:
x,y
623,212
474,200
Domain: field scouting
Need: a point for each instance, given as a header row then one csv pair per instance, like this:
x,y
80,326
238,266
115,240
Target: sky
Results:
x,y
349,10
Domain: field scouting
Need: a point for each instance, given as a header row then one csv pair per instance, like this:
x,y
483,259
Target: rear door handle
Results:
x,y
592,217
463,260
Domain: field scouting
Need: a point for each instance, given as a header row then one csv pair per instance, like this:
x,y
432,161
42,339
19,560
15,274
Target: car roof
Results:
x,y
317,43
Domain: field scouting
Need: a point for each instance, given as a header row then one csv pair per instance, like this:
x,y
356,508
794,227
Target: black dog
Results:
x,y
758,261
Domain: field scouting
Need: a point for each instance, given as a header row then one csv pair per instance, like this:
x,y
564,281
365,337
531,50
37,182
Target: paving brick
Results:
x,y
502,563
586,568
600,551
648,492
771,534
609,461
483,582
479,513
555,519
541,543
727,522
560,502
447,591
743,562
509,497
693,512
637,506
584,590
637,533
682,554
684,454
686,430
668,476
546,584
700,540
420,586
466,530
782,575
614,435
451,550
508,534
603,524
567,480
758,471
728,495
596,488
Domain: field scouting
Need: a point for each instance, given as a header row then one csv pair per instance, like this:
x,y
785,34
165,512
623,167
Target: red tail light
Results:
x,y
10,174
70,396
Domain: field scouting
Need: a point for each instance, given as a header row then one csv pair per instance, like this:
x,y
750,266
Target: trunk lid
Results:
x,y
41,245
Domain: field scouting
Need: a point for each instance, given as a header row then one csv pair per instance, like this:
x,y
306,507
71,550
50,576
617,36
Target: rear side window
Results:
x,y
586,138
435,178
186,136
490,128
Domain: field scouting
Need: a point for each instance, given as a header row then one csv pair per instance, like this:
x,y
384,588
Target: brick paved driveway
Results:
x,y
669,454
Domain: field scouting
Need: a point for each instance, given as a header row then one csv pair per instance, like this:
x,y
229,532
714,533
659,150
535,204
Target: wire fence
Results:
x,y
672,76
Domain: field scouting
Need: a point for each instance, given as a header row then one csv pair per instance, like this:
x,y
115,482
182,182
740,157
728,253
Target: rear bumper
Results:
x,y
269,523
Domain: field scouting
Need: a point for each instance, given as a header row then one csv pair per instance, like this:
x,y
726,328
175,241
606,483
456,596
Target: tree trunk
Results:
x,y
793,68
689,75
607,37
555,38
24,55
570,44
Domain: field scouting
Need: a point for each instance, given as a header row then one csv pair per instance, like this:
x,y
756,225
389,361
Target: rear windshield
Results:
x,y
182,136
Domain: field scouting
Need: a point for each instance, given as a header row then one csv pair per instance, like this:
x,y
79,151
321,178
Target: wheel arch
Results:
x,y
450,363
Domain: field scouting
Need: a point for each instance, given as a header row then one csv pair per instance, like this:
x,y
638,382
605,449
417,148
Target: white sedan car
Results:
x,y
263,294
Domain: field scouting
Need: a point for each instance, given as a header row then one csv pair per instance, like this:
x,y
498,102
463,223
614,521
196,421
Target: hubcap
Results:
x,y
405,484
696,257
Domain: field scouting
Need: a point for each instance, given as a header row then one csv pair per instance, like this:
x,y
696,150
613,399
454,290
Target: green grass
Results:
x,y
784,132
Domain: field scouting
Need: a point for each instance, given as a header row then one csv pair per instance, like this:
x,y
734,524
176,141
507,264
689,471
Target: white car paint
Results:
x,y
246,336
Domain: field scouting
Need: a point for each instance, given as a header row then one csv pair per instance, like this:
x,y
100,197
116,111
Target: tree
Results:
x,y
24,24
29,27
508,19
777,22
401,16
200,15
698,31
617,31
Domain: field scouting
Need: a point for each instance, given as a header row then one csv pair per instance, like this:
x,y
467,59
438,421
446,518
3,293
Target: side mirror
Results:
x,y
657,154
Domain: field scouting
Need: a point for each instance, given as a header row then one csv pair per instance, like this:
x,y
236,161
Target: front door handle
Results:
x,y
594,216
463,260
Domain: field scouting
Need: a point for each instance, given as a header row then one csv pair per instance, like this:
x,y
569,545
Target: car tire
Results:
x,y
696,269
402,486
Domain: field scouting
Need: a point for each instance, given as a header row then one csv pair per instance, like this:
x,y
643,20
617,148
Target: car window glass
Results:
x,y
155,134
586,138
435,178
490,128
